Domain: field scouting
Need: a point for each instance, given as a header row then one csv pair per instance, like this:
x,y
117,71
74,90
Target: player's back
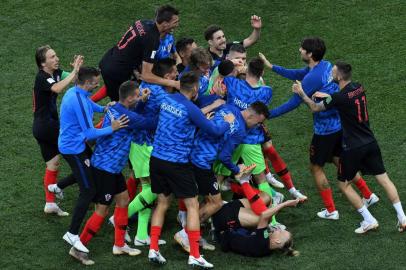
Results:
x,y
151,109
206,147
174,134
241,94
111,152
128,54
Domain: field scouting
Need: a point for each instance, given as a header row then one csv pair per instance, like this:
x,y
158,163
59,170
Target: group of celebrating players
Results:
x,y
191,121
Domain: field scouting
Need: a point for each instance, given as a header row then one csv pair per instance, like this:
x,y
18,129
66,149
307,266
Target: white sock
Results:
x,y
292,190
366,214
399,211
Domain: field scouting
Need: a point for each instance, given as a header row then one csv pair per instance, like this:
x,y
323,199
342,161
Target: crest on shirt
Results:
x,y
50,80
107,197
87,162
266,234
153,54
216,186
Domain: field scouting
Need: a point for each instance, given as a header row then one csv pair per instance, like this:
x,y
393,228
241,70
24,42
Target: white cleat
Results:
x,y
111,221
200,262
53,188
272,181
206,245
74,240
183,241
126,250
53,208
83,257
402,225
324,213
367,226
277,199
156,257
298,195
372,200
146,242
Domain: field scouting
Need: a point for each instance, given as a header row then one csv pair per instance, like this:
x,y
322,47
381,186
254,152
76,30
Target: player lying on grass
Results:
x,y
242,226
360,148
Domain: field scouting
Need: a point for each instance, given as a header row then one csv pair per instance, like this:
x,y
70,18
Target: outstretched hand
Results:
x,y
256,22
266,61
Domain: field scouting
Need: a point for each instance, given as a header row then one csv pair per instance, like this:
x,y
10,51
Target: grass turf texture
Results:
x,y
368,34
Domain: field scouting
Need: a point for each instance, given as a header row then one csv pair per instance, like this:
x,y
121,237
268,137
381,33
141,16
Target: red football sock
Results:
x,y
363,187
236,188
92,226
120,225
194,237
132,187
49,178
327,197
181,205
100,94
155,233
100,124
257,204
279,166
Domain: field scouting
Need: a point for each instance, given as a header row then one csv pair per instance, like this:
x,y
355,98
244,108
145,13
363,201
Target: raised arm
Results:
x,y
67,78
256,24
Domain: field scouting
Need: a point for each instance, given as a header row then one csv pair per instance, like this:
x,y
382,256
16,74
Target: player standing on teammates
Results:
x,y
76,128
49,82
108,160
206,149
326,141
136,51
360,148
170,169
218,46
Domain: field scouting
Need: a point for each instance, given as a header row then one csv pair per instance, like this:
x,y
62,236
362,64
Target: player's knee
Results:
x,y
191,203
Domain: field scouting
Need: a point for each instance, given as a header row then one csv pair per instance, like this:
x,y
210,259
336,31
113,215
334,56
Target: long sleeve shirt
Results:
x,y
76,118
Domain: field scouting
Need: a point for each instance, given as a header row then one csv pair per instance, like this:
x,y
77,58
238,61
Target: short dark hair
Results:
x,y
40,55
259,108
314,45
163,66
237,47
200,56
182,43
165,13
208,33
127,89
188,80
345,69
226,67
256,67
87,73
